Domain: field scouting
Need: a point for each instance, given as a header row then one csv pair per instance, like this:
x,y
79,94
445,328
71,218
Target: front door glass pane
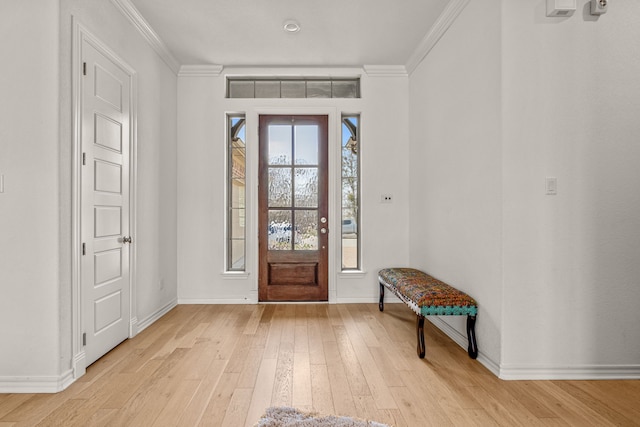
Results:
x,y
280,187
306,195
306,231
293,187
280,227
280,144
306,145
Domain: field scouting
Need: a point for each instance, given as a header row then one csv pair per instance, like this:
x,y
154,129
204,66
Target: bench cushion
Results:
x,y
427,295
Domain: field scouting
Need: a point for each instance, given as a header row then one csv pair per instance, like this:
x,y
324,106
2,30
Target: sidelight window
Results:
x,y
236,192
350,192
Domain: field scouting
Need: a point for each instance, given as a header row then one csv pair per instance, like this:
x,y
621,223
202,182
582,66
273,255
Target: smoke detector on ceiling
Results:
x,y
291,26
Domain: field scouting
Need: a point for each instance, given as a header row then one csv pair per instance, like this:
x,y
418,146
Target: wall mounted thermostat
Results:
x,y
598,7
561,8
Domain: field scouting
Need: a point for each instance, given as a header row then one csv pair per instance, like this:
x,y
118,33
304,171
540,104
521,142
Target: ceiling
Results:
x,y
250,32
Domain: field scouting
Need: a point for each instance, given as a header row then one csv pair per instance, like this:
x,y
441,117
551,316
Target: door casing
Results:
x,y
80,34
292,108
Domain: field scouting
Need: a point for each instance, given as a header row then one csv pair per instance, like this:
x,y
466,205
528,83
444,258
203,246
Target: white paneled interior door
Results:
x,y
105,270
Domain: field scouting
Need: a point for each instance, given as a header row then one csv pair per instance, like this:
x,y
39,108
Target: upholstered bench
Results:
x,y
428,296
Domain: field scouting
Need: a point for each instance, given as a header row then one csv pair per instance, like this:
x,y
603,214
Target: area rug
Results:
x,y
283,416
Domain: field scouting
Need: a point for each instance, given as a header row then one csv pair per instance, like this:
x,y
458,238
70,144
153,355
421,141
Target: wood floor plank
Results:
x,y
116,393
209,392
249,372
598,406
63,415
34,409
340,390
355,377
316,349
254,321
321,396
172,411
219,365
236,414
263,391
410,407
301,395
283,381
272,345
9,402
620,396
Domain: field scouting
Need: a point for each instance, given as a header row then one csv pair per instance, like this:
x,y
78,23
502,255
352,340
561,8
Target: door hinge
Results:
x,y
84,68
84,338
84,159
84,249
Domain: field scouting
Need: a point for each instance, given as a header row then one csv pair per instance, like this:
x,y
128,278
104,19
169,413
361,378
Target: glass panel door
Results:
x,y
293,208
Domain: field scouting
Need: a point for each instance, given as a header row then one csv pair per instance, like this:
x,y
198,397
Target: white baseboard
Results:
x,y
149,320
46,384
391,300
79,364
580,372
388,299
216,301
542,372
463,342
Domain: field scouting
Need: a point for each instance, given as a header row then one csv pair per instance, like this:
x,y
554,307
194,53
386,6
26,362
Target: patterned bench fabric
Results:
x,y
425,294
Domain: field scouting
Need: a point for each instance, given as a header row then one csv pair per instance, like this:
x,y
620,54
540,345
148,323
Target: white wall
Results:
x,y
505,99
571,110
156,227
35,219
29,324
456,171
201,182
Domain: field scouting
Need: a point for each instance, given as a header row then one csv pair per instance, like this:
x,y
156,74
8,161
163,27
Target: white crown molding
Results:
x,y
200,70
385,70
442,24
130,12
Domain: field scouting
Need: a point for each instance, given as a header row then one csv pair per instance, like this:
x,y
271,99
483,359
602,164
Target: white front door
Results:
x,y
105,281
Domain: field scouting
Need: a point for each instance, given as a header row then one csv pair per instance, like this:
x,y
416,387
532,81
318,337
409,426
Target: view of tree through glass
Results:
x,y
350,192
236,190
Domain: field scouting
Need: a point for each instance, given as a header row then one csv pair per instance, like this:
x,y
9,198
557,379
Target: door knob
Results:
x,y
323,230
323,220
126,239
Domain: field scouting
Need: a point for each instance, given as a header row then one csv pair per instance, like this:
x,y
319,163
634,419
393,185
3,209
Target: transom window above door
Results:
x,y
308,87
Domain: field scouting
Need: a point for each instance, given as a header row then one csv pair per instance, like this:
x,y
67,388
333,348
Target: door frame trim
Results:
x,y
79,34
253,117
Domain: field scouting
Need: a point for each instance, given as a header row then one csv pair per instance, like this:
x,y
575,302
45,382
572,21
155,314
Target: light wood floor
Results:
x,y
222,365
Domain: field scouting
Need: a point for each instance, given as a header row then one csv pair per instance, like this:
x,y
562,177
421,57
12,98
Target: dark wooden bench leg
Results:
x,y
471,335
420,332
381,303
